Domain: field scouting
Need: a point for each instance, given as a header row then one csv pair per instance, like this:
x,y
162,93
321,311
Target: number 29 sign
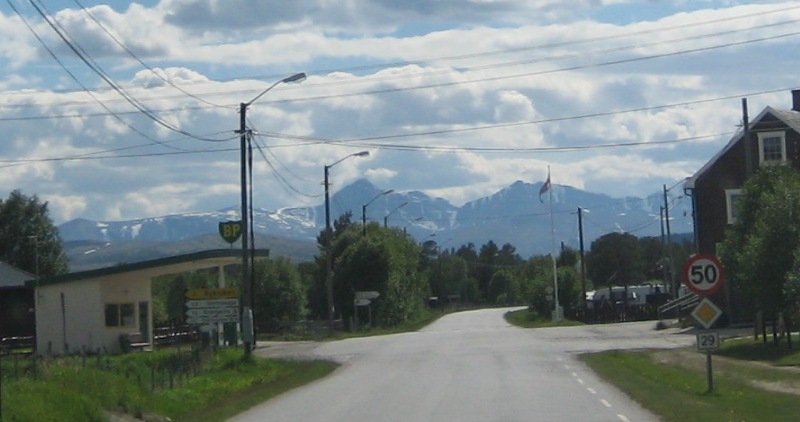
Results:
x,y
703,274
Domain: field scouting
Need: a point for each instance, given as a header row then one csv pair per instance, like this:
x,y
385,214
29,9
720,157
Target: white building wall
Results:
x,y
73,325
83,314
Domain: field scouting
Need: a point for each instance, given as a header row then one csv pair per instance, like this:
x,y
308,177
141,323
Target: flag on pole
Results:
x,y
545,186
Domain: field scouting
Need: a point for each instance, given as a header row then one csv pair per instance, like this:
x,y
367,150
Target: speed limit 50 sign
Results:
x,y
703,274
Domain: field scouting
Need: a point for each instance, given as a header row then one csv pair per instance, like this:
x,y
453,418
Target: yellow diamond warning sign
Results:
x,y
706,313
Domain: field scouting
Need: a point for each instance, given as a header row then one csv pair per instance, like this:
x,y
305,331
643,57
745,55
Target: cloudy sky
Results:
x,y
117,110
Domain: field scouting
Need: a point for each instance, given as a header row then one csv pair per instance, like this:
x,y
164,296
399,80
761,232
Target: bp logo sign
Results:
x,y
231,231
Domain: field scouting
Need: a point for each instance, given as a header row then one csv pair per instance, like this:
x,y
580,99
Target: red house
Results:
x,y
771,138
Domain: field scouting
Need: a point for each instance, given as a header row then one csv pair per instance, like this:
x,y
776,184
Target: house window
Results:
x,y
771,147
120,315
732,197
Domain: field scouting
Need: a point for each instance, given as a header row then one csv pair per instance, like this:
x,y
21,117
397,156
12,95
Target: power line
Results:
x,y
108,157
287,186
75,78
135,57
94,67
531,150
594,39
566,43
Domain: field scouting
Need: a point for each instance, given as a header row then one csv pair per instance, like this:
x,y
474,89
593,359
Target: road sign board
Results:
x,y
703,274
212,312
708,340
201,320
212,306
706,313
213,303
222,293
362,302
367,295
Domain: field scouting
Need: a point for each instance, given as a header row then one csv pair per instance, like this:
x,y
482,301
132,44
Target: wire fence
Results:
x,y
177,355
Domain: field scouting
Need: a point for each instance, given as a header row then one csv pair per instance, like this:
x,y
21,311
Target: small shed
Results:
x,y
90,310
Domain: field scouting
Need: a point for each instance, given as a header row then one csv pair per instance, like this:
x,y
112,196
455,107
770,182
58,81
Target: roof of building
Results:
x,y
11,276
156,267
790,117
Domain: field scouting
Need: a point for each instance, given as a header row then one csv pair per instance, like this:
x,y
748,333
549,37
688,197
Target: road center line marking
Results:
x,y
580,381
591,390
605,403
623,418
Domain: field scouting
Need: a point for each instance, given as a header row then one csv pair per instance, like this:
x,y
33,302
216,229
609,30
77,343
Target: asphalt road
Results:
x,y
468,366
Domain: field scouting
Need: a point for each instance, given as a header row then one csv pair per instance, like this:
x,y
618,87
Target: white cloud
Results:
x,y
532,74
66,207
381,176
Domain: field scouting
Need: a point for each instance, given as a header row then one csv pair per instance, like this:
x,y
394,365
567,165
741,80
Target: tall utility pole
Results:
x,y
328,243
246,285
364,211
329,238
583,258
248,290
748,152
386,217
671,273
664,245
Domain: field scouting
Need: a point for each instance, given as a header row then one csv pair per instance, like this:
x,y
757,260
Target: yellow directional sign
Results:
x,y
223,293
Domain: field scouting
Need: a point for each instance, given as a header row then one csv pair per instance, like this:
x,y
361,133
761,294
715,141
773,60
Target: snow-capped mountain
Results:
x,y
516,214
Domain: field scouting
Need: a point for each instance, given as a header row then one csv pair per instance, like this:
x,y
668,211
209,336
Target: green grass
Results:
x,y
673,385
202,387
529,319
752,381
232,386
221,385
748,348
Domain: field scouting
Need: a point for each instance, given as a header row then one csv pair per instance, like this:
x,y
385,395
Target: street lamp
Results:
x,y
364,210
412,222
329,237
386,219
247,277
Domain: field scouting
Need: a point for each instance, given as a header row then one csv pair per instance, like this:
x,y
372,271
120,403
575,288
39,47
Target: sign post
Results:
x,y
364,298
704,274
212,307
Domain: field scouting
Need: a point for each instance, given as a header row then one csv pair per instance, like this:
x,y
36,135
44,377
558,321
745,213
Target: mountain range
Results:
x,y
517,214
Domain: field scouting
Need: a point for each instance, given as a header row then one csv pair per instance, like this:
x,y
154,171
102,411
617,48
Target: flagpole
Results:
x,y
556,304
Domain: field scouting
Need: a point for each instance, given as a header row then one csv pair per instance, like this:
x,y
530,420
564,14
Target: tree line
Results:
x,y
412,277
409,276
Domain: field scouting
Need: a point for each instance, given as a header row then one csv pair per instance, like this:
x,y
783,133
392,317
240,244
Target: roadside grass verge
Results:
x,y
526,318
673,385
222,385
232,386
749,348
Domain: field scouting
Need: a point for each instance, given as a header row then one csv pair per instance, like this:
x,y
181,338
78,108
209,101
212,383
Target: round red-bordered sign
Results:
x,y
703,274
